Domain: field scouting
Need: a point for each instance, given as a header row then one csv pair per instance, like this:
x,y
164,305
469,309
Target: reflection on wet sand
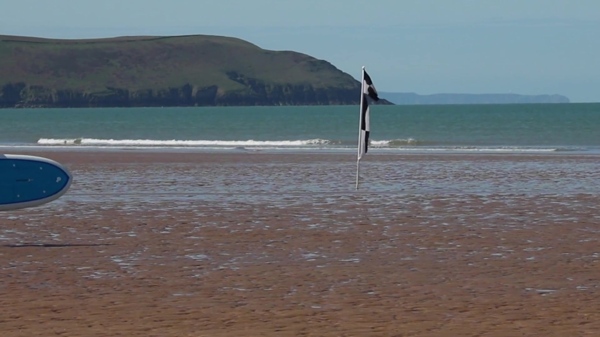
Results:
x,y
282,245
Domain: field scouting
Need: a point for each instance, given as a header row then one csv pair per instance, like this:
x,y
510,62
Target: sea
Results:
x,y
506,128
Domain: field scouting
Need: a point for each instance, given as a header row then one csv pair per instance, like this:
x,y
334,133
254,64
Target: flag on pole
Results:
x,y
368,91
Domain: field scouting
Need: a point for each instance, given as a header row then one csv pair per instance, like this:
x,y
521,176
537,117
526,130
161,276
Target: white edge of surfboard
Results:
x,y
34,203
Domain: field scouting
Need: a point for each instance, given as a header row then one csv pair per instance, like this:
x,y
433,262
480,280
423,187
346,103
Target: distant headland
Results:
x,y
415,99
146,71
191,70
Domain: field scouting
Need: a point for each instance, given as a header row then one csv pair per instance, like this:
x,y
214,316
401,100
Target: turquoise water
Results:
x,y
487,128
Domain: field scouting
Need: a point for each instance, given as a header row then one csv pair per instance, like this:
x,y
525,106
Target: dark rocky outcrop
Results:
x,y
21,95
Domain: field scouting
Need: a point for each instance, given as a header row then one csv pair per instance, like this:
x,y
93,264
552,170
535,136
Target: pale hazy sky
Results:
x,y
423,46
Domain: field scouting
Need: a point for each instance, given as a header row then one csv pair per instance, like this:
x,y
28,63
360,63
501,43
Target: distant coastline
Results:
x,y
193,70
416,99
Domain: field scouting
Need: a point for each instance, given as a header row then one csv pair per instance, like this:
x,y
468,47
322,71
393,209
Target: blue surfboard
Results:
x,y
29,181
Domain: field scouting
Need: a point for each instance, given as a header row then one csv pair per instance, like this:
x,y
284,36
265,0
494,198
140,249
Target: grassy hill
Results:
x,y
169,71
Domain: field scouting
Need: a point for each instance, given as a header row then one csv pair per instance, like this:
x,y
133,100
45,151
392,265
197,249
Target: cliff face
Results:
x,y
23,95
164,71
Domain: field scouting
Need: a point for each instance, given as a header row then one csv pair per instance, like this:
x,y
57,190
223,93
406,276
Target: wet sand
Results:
x,y
251,244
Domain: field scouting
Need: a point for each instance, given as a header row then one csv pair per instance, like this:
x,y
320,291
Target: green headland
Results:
x,y
195,70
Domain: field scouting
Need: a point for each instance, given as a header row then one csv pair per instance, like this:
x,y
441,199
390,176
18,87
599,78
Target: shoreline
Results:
x,y
289,152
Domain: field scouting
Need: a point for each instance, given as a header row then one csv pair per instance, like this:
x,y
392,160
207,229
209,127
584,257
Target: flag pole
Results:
x,y
362,97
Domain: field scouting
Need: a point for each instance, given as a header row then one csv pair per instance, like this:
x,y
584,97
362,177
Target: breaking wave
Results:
x,y
385,146
179,143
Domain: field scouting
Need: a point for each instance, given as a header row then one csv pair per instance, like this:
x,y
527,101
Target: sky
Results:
x,y
529,47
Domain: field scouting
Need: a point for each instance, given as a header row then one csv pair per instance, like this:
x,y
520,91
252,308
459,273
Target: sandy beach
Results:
x,y
259,244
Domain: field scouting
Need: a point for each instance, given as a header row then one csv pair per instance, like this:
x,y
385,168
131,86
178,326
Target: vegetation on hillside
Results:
x,y
168,71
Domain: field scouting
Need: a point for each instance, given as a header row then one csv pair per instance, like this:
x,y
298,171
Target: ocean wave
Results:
x,y
385,146
179,143
396,142
411,145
